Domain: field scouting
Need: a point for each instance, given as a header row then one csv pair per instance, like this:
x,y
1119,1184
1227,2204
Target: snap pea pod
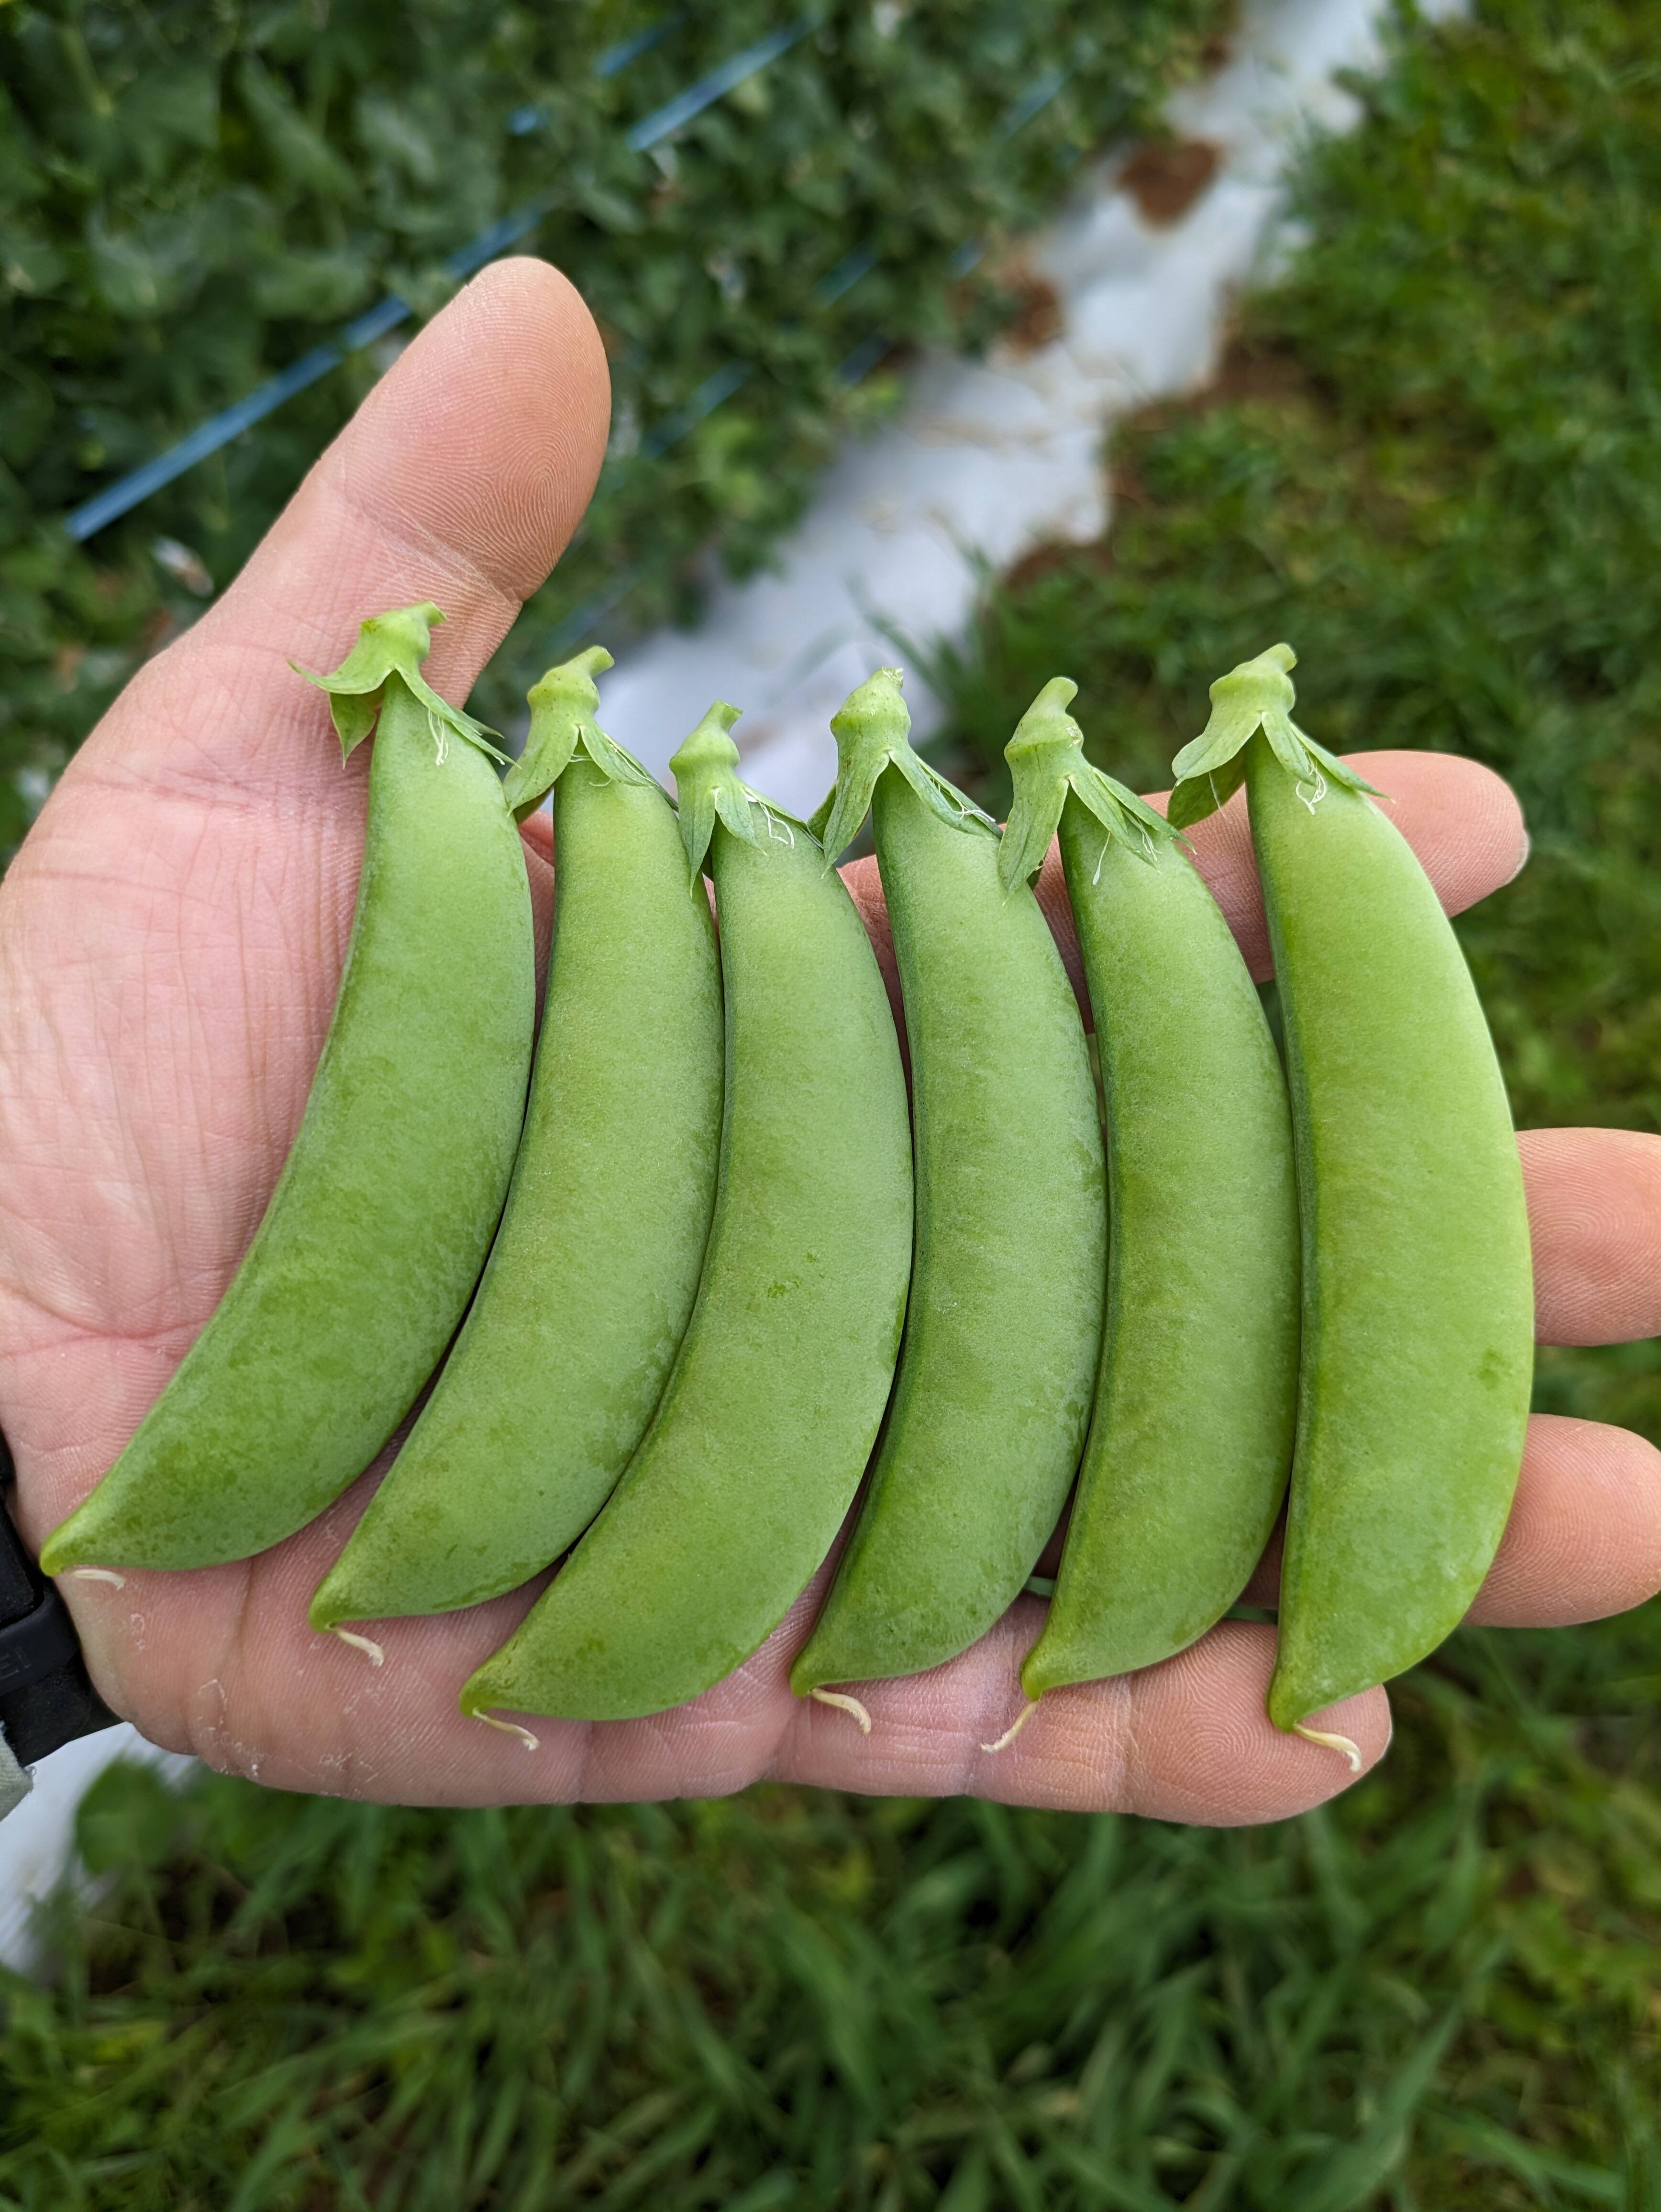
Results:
x,y
586,1293
1004,1324
737,1489
1190,1436
1417,1295
381,1220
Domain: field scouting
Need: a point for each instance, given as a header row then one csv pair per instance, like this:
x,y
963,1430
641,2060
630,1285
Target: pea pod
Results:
x,y
585,1298
382,1216
737,1489
1190,1436
1004,1324
1417,1298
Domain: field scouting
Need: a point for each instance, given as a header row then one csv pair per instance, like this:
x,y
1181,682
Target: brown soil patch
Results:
x,y
1166,176
1257,368
1037,318
1219,45
1041,561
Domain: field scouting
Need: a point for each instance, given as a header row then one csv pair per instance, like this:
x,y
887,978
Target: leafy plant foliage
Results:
x,y
192,196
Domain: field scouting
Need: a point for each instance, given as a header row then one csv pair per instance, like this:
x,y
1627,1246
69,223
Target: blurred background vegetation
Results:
x,y
193,196
1431,461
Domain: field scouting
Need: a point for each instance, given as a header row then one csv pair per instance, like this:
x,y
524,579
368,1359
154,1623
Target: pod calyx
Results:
x,y
873,728
389,646
710,789
1046,760
1257,695
562,706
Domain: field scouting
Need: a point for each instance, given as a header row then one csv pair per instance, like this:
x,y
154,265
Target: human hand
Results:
x,y
171,937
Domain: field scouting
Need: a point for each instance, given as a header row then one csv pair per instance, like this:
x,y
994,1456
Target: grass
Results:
x,y
1439,1994
1433,464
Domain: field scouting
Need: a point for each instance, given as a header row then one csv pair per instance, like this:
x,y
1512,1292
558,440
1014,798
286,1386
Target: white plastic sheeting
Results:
x,y
36,1841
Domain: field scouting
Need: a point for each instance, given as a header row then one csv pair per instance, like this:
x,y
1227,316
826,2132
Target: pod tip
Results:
x,y
528,1741
1351,1751
1014,1728
367,1644
843,1704
710,745
65,1547
873,714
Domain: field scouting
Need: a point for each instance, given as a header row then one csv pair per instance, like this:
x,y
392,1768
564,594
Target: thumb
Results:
x,y
459,480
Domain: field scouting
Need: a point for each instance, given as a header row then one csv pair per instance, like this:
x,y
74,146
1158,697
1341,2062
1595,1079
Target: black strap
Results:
x,y
46,1699
37,1645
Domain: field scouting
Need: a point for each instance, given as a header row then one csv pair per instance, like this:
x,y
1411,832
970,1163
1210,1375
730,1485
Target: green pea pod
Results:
x,y
1004,1325
563,1356
1191,1437
1418,1302
382,1216
755,1453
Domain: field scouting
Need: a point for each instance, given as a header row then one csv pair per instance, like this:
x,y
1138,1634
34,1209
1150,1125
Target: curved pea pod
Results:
x,y
381,1219
563,1356
1418,1302
1191,1435
741,1482
1004,1324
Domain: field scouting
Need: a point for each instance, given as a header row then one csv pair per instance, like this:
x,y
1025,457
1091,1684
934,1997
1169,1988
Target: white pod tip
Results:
x,y
528,1741
1014,1728
1351,1751
844,1705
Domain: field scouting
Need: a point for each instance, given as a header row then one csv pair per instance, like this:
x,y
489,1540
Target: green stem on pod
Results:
x,y
1190,1435
1417,1291
565,1351
388,646
563,704
738,1487
1004,1323
375,1233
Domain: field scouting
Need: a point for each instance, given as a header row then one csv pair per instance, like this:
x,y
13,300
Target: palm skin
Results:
x,y
171,937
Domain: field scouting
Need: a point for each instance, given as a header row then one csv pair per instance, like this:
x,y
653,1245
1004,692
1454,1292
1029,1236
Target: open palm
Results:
x,y
171,937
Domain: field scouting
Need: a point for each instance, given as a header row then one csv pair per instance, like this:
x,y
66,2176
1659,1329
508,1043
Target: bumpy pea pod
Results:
x,y
1191,1437
381,1220
755,1453
1418,1303
564,1353
1004,1323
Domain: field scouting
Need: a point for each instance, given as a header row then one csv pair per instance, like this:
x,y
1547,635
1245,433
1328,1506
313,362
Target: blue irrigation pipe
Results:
x,y
583,619
128,491
713,393
1037,97
837,282
531,117
854,368
662,121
